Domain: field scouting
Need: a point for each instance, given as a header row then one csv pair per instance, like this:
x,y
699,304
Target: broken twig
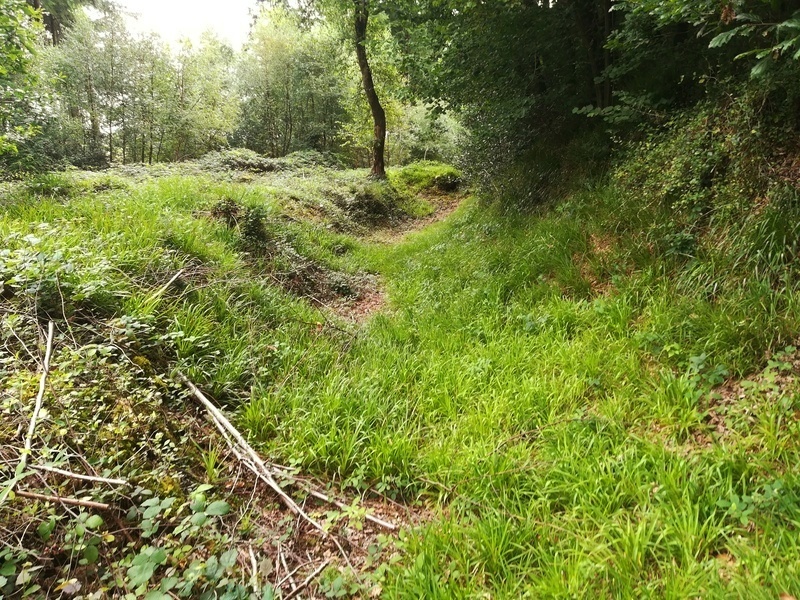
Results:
x,y
262,471
224,425
62,500
307,580
162,290
72,475
51,329
341,505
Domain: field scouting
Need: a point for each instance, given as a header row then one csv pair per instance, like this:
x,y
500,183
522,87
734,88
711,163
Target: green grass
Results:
x,y
555,428
539,385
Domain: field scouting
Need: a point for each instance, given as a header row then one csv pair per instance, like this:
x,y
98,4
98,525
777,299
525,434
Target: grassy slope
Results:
x,y
541,381
92,252
567,454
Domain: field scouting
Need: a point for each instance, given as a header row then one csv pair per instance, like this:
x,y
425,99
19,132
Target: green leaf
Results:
x,y
199,519
228,559
45,529
723,38
168,583
159,556
793,23
268,593
94,522
140,574
761,68
91,554
218,508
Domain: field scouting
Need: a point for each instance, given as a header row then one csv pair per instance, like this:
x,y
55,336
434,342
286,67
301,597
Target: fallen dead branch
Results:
x,y
307,580
51,329
254,462
63,500
229,431
163,289
341,505
71,475
260,468
290,576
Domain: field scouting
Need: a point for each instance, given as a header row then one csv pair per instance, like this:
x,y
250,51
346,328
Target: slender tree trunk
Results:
x,y
288,125
124,137
150,154
94,119
378,113
607,17
160,144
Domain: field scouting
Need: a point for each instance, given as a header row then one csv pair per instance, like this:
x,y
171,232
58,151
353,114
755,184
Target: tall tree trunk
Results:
x,y
150,135
378,114
125,137
94,118
607,19
51,24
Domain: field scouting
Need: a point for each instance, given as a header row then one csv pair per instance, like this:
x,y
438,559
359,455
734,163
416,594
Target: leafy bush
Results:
x,y
239,159
426,175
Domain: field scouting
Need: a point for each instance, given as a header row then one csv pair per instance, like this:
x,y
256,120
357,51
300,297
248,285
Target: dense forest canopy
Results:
x,y
103,95
511,71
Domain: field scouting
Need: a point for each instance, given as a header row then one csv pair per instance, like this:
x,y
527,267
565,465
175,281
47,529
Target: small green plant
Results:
x,y
738,507
211,463
771,499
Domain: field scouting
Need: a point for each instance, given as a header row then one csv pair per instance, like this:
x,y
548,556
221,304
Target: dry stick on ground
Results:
x,y
51,330
341,505
23,460
263,472
254,570
307,580
223,423
72,475
289,576
258,466
286,568
162,290
269,474
62,500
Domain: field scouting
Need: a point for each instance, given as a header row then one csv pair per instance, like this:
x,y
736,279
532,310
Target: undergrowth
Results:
x,y
596,397
145,274
553,395
562,384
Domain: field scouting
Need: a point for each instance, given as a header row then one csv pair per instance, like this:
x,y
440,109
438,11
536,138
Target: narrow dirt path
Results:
x,y
445,204
374,298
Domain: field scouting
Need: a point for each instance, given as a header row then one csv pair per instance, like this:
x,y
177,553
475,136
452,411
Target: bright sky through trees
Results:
x,y
176,19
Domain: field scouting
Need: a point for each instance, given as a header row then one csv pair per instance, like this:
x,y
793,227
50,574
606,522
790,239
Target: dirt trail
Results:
x,y
374,298
444,204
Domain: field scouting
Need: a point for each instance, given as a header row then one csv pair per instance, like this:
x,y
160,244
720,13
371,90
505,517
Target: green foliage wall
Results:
x,y
105,96
17,37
